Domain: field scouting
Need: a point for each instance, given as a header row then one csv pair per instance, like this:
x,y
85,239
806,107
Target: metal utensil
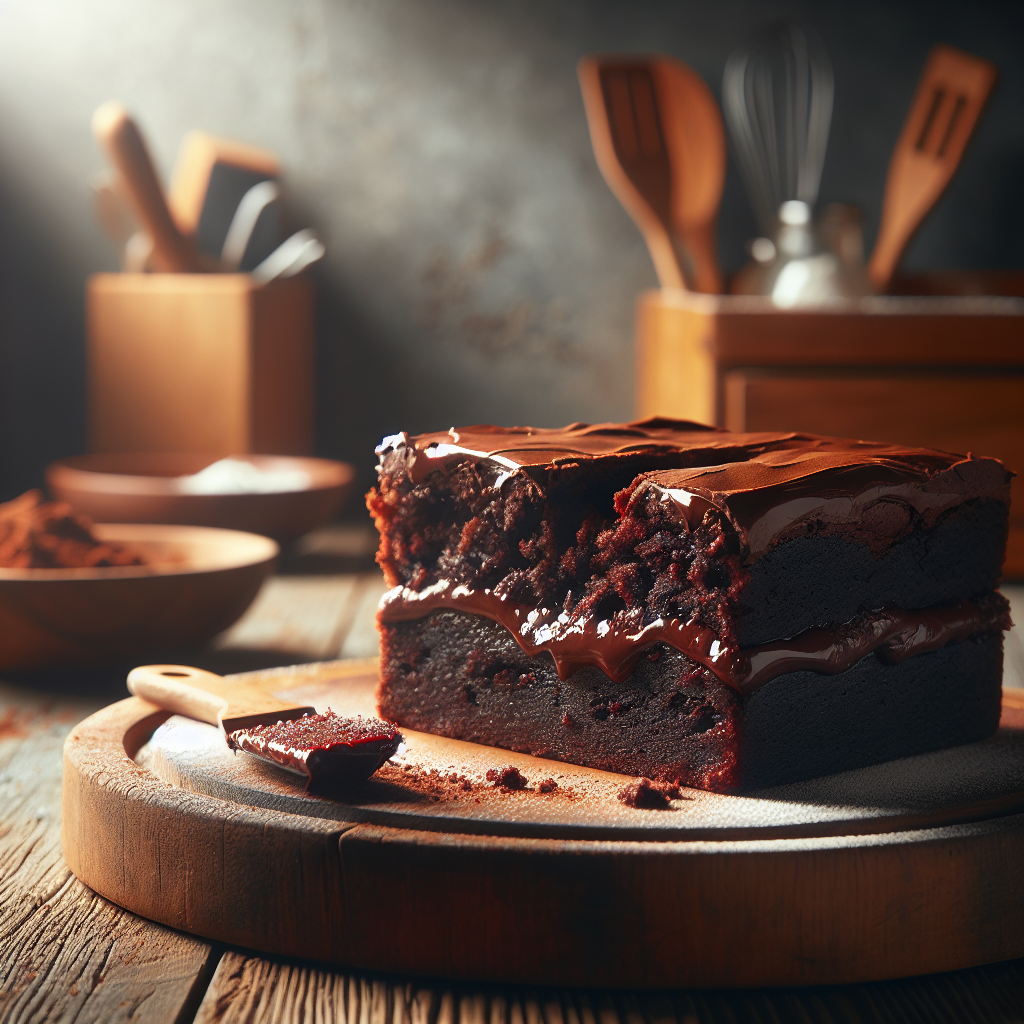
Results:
x,y
659,141
804,272
950,97
777,96
291,257
252,206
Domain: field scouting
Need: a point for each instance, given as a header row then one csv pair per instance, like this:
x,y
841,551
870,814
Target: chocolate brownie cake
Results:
x,y
668,600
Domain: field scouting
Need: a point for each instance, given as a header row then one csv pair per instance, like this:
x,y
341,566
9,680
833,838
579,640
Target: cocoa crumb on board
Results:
x,y
440,786
508,778
40,534
647,795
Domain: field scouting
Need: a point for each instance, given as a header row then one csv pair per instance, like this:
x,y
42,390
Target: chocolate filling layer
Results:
x,y
616,645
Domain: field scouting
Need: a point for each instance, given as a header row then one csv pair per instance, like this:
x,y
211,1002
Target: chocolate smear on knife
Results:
x,y
328,750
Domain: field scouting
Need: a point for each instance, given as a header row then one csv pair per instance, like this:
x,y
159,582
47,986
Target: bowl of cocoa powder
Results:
x,y
77,593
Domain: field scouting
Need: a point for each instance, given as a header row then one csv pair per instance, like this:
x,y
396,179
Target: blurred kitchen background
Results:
x,y
478,268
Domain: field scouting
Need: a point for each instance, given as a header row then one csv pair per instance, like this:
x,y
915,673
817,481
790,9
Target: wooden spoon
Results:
x,y
326,750
658,138
951,94
120,137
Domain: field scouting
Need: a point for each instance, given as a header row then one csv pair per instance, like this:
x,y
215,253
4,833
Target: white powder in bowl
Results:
x,y
234,476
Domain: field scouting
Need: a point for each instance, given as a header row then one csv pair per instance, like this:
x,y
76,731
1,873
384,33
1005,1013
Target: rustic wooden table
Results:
x,y
67,954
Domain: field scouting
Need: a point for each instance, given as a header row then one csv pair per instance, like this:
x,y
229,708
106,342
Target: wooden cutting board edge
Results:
x,y
620,914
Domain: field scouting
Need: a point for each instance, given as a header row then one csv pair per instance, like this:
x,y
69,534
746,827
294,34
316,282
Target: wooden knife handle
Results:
x,y
208,697
118,134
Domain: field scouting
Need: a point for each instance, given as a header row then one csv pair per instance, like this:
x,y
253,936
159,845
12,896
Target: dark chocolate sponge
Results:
x,y
465,677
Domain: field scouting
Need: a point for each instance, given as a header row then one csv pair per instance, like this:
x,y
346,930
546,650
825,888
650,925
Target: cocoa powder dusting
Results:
x,y
40,534
445,786
437,786
320,732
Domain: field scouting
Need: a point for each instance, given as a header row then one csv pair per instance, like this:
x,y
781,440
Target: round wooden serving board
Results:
x,y
905,868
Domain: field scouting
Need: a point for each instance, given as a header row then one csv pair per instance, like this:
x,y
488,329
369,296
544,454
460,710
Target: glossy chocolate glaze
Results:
x,y
328,750
770,486
615,646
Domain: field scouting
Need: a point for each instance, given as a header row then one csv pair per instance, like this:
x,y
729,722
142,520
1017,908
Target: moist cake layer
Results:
x,y
464,676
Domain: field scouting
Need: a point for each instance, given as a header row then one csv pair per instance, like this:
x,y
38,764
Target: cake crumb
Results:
x,y
644,794
461,782
548,786
508,778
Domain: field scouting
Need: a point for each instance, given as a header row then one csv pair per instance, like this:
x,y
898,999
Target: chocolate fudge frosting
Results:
x,y
770,486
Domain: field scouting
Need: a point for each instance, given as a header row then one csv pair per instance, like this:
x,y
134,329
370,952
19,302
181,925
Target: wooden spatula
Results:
x,y
951,94
213,182
326,750
695,136
659,142
118,134
199,158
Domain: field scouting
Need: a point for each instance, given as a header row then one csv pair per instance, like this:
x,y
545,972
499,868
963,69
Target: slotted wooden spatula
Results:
x,y
950,96
659,141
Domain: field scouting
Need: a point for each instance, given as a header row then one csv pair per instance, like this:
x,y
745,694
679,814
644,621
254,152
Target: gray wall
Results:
x,y
478,267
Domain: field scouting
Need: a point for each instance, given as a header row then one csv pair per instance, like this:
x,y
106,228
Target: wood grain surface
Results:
x,y
65,952
42,952
256,990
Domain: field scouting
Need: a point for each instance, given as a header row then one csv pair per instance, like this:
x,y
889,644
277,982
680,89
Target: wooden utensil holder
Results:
x,y
210,363
935,372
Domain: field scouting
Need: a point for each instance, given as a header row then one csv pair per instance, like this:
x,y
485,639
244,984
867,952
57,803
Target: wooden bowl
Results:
x,y
141,487
199,581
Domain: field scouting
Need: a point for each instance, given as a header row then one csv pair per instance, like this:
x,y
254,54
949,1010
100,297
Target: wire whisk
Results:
x,y
777,94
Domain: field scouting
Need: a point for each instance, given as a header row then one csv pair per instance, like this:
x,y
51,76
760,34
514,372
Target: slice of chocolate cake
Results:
x,y
699,607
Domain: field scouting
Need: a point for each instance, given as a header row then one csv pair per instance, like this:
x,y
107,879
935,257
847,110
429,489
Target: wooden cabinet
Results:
x,y
935,372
